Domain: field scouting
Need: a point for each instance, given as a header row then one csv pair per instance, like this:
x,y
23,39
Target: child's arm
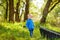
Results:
x,y
27,24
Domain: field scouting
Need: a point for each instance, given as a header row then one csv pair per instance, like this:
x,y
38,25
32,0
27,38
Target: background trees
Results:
x,y
11,10
26,10
50,5
17,10
43,11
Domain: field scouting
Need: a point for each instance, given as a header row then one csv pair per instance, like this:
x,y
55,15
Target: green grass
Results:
x,y
16,31
51,27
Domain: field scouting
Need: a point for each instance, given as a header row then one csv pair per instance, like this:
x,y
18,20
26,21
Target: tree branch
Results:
x,y
53,6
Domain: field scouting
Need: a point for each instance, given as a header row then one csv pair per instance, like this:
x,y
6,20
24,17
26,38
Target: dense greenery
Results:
x,y
16,31
46,13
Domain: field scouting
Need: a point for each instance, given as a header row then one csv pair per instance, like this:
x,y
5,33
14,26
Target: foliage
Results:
x,y
16,32
54,15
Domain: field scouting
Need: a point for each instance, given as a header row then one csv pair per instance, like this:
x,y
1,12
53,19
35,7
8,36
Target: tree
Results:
x,y
17,12
22,9
46,10
11,10
6,10
26,10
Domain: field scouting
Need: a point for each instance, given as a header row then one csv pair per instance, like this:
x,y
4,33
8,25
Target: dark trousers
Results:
x,y
31,32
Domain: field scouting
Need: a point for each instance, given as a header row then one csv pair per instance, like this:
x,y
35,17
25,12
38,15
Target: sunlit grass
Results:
x,y
53,28
17,31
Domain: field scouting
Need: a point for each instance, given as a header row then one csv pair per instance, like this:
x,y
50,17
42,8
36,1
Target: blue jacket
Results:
x,y
30,24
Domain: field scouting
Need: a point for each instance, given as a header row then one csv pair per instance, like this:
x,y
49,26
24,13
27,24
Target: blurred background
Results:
x,y
13,16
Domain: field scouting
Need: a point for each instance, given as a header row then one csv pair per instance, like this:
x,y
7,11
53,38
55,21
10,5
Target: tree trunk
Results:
x,y
6,10
26,10
17,12
45,11
22,10
11,10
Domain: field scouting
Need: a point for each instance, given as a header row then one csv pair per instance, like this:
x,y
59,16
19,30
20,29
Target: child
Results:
x,y
30,24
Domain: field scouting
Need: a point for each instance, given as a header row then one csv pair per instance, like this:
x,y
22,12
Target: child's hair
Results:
x,y
30,15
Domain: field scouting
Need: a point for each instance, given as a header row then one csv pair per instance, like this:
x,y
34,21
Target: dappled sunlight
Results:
x,y
35,7
38,3
16,15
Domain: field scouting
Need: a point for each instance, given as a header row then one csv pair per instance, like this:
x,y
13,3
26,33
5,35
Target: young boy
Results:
x,y
30,24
